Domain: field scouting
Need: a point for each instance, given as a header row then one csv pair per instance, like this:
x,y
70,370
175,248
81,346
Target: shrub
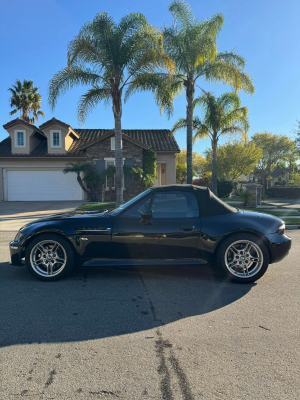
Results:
x,y
224,188
246,196
284,192
204,181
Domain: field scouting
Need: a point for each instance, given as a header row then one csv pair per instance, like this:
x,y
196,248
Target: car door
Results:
x,y
131,236
175,219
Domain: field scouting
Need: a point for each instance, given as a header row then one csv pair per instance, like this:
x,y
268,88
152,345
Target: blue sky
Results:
x,y
34,37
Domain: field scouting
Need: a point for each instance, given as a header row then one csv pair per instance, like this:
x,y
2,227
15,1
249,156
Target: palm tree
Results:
x,y
192,46
222,115
25,98
115,60
78,168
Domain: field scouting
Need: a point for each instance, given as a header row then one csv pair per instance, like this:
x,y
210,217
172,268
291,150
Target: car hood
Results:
x,y
68,216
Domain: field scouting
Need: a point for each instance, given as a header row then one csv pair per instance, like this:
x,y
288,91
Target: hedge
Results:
x,y
284,192
224,187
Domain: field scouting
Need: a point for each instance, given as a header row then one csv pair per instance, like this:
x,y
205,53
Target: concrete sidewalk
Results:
x,y
14,214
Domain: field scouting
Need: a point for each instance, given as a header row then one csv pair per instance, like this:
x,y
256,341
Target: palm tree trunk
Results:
x,y
117,109
214,146
79,180
190,91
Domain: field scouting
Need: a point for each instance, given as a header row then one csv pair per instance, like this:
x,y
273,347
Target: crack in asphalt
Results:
x,y
161,347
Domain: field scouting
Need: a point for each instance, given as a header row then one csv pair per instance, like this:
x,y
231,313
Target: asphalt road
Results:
x,y
150,334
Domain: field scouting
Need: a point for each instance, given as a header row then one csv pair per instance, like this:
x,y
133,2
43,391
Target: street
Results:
x,y
150,333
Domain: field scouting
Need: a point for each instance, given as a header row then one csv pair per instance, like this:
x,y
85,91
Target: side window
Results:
x,y
138,209
175,205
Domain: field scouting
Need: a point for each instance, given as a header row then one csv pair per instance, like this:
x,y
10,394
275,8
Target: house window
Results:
x,y
113,143
110,162
20,138
55,139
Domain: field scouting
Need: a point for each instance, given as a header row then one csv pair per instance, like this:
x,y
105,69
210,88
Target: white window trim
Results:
x,y
113,143
51,139
16,137
114,161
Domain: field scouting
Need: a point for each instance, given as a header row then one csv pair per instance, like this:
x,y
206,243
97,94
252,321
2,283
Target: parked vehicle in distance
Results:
x,y
166,225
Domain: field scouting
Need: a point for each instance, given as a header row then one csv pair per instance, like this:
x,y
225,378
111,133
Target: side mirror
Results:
x,y
146,216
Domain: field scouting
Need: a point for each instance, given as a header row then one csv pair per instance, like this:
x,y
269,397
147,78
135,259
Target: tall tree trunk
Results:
x,y
79,180
214,146
190,91
117,110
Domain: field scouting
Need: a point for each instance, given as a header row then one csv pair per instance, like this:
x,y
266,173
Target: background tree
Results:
x,y
222,116
276,149
26,99
181,167
235,159
192,45
78,168
115,60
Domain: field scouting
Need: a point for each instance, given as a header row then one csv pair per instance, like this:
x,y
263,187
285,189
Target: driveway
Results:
x,y
14,214
149,334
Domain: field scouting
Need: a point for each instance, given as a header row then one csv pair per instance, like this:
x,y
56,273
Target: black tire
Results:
x,y
221,262
68,253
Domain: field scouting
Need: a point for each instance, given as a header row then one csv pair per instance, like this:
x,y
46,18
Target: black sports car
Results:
x,y
166,225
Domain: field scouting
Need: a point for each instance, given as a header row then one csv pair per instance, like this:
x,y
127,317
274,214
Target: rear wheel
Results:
x,y
49,257
243,258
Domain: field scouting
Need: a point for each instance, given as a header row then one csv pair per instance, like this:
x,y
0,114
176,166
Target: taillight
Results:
x,y
281,229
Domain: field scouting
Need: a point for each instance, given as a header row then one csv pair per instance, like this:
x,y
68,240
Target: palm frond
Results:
x,y
222,72
90,99
181,11
68,78
202,132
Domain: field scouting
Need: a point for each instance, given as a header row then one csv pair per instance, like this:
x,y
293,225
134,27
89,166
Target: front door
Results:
x,y
172,232
131,238
175,218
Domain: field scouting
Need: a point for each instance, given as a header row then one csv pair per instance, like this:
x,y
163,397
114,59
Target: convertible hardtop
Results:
x,y
209,204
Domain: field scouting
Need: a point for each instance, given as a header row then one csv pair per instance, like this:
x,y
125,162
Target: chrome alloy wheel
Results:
x,y
243,258
48,258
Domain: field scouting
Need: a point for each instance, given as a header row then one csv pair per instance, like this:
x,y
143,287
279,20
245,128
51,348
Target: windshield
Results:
x,y
116,211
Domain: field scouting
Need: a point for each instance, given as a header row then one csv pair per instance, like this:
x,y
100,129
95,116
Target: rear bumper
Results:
x,y
279,246
16,253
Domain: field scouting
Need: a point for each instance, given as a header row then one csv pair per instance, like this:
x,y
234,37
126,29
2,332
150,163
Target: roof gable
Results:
x,y
111,133
160,140
20,121
55,121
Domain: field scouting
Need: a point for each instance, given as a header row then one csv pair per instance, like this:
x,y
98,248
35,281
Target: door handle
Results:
x,y
187,228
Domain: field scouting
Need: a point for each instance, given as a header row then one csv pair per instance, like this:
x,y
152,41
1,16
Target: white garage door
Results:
x,y
42,185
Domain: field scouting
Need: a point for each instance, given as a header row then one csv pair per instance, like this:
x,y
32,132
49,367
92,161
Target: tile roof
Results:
x,y
40,150
156,139
21,121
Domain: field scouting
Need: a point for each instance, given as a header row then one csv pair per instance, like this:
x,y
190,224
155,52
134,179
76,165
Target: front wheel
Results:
x,y
243,258
49,257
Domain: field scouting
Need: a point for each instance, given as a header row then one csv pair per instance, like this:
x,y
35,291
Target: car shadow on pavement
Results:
x,y
98,303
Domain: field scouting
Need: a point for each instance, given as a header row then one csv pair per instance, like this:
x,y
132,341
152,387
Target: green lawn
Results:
x,y
291,221
278,213
95,206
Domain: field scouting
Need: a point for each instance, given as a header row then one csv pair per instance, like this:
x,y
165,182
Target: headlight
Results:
x,y
18,236
281,229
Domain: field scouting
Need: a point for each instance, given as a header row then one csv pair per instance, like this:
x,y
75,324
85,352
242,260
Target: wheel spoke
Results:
x,y
232,263
41,248
235,250
248,247
55,247
256,259
61,260
49,269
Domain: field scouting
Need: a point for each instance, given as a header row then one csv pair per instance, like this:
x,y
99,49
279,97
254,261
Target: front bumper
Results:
x,y
16,253
279,246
